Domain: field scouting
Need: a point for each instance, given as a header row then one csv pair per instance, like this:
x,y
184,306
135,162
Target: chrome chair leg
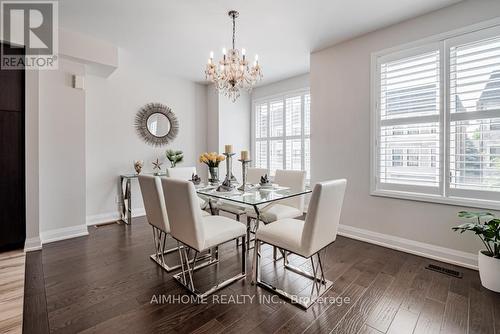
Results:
x,y
320,285
256,263
160,244
182,264
243,255
188,269
321,266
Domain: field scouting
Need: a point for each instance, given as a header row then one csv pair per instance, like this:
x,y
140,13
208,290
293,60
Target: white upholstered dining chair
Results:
x,y
186,173
196,233
181,173
286,208
156,214
305,238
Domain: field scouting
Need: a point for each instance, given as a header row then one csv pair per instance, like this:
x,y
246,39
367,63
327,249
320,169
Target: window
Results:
x,y
436,123
409,119
282,132
495,157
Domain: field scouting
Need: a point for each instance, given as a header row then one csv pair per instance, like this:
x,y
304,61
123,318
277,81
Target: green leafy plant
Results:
x,y
486,227
174,157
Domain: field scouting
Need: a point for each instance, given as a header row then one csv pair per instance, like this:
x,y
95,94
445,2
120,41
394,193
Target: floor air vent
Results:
x,y
445,271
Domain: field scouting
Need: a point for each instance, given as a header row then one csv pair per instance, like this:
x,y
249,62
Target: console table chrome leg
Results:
x,y
126,200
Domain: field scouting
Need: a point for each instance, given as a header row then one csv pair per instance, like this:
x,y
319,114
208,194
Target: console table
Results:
x,y
126,195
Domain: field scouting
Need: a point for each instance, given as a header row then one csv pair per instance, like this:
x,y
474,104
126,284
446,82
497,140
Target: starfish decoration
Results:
x,y
157,164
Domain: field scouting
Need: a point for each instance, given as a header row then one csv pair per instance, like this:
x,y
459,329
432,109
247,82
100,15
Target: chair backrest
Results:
x,y
181,173
323,215
184,214
254,174
296,180
154,201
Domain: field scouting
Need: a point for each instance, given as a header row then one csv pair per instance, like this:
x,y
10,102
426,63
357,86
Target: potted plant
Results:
x,y
212,160
487,228
174,157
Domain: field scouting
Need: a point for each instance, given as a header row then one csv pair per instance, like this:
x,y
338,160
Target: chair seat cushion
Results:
x,y
276,212
203,203
284,233
231,208
219,229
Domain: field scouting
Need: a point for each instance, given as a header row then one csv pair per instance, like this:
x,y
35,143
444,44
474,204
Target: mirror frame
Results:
x,y
141,124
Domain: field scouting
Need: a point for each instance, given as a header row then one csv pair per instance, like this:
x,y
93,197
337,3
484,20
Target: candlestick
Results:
x,y
230,180
244,169
244,156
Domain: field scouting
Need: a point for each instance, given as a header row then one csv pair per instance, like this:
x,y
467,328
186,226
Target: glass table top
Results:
x,y
133,176
255,196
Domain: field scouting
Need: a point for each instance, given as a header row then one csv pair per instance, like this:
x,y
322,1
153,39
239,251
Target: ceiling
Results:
x,y
176,36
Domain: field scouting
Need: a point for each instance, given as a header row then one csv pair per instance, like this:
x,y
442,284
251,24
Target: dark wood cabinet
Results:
x,y
12,159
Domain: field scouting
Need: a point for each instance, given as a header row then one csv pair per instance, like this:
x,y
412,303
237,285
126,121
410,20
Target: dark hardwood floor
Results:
x,y
105,283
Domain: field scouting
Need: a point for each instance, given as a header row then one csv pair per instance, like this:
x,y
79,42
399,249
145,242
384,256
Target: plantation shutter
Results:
x,y
474,115
408,143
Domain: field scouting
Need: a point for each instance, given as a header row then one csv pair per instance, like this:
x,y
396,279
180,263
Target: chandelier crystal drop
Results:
x,y
233,72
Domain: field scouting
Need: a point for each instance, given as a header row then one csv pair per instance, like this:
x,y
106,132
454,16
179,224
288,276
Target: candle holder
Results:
x,y
244,186
230,180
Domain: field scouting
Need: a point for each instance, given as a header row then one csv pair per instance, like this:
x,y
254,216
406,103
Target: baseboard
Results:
x,y
32,244
448,255
105,218
63,233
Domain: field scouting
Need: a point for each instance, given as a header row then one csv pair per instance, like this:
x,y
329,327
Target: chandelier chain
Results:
x,y
234,29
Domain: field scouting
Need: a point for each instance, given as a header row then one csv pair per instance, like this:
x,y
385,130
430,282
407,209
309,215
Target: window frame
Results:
x,y
444,195
268,100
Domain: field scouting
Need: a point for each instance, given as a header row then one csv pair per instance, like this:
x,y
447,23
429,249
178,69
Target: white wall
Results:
x,y
279,87
112,142
234,129
340,135
100,56
228,123
212,118
61,152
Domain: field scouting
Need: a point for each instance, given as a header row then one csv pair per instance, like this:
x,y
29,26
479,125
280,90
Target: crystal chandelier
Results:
x,y
233,72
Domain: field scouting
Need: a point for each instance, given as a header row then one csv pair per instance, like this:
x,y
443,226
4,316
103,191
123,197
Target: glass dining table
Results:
x,y
254,196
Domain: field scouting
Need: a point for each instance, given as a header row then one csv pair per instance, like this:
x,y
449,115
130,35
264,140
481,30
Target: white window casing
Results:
x,y
436,119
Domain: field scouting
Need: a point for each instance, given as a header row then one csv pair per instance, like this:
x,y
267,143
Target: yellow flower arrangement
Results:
x,y
211,159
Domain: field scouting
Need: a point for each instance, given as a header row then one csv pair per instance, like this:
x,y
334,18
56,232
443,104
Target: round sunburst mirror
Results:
x,y
156,124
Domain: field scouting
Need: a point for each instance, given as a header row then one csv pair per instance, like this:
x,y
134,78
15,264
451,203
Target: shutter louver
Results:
x,y
409,133
475,115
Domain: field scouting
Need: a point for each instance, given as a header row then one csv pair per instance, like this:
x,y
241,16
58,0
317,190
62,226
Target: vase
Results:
x,y
138,164
214,174
489,271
